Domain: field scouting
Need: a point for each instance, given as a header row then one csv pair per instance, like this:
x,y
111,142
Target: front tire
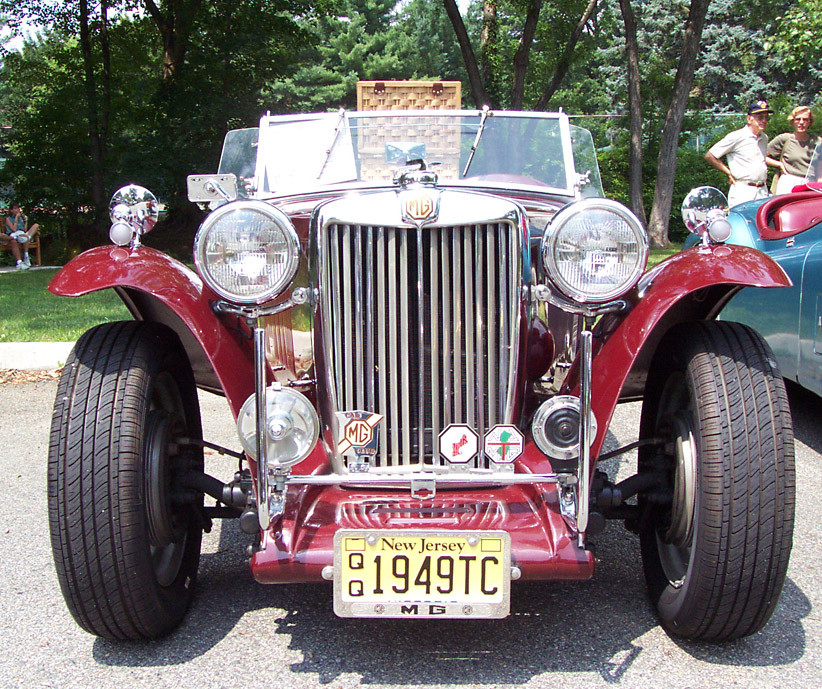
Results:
x,y
716,553
126,545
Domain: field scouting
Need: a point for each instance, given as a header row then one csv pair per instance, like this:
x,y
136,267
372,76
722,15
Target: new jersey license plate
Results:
x,y
422,573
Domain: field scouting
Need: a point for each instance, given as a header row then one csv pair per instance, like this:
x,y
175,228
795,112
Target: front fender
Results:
x,y
155,287
692,285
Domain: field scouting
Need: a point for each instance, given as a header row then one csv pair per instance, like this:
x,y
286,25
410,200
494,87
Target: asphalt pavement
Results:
x,y
238,633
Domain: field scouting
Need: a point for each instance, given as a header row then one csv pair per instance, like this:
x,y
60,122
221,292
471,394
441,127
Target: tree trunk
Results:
x,y
523,54
565,61
635,108
489,51
478,92
105,51
174,26
97,144
669,142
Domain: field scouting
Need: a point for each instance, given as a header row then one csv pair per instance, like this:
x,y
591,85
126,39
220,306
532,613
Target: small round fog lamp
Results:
x,y
291,424
120,233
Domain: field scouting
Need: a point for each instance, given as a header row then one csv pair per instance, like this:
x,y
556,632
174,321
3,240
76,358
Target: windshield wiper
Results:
x,y
476,140
333,142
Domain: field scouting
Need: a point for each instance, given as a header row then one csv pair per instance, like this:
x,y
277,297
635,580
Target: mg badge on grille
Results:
x,y
419,205
358,431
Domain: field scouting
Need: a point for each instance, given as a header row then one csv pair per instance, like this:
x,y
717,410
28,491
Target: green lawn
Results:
x,y
658,255
30,313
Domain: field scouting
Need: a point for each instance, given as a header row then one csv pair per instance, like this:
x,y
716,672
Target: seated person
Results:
x,y
19,234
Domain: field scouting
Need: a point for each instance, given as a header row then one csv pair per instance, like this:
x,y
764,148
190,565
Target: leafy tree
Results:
x,y
423,45
45,109
155,129
797,43
512,32
343,48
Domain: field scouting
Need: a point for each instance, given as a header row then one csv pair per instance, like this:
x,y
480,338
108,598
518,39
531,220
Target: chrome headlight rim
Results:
x,y
552,235
292,255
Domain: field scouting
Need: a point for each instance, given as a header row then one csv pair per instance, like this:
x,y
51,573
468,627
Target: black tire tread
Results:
x,y
95,509
748,483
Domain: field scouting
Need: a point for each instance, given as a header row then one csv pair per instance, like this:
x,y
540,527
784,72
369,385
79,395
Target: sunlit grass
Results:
x,y
30,313
659,255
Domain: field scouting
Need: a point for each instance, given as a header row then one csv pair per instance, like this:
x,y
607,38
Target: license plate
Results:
x,y
465,574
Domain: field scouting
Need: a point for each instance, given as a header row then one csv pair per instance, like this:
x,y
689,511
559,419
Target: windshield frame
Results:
x,y
326,139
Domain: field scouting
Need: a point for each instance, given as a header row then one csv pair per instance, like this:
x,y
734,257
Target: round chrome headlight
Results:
x,y
247,251
594,250
292,426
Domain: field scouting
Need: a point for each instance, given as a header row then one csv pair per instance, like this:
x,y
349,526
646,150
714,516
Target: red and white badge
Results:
x,y
458,443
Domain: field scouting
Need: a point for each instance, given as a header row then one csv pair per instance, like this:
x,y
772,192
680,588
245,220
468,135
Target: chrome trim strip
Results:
x,y
511,319
404,346
468,302
447,321
370,396
357,355
382,339
347,364
259,412
405,480
436,381
332,276
480,278
393,344
586,339
420,349
456,361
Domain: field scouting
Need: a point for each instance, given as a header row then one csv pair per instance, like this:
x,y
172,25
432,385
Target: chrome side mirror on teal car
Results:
x,y
705,214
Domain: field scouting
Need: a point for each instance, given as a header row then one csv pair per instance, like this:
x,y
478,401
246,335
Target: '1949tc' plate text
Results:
x,y
422,573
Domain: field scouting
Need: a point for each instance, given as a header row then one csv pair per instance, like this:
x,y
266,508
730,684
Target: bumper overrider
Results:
x,y
421,300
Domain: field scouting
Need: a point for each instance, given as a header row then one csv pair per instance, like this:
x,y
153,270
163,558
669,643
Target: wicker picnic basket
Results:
x,y
442,136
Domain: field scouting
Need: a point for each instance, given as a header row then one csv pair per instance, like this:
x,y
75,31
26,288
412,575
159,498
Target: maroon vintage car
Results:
x,y
422,322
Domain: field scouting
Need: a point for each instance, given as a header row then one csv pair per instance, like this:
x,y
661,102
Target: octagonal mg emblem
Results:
x,y
419,205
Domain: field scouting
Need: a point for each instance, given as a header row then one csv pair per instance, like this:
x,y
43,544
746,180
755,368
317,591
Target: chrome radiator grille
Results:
x,y
421,326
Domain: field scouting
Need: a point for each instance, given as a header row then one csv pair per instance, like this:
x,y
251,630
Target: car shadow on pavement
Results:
x,y
595,626
805,413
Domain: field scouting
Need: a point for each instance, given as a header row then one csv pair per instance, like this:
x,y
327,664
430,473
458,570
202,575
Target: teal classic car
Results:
x,y
789,229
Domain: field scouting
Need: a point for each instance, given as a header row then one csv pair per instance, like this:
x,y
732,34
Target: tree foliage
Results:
x,y
163,123
798,37
164,79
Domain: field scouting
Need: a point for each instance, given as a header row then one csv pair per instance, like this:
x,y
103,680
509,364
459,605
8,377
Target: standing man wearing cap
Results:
x,y
746,150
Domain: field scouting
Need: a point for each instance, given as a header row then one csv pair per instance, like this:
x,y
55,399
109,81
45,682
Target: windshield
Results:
x,y
814,173
239,158
293,153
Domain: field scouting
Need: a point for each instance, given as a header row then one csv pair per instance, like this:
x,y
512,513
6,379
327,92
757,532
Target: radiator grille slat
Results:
x,y
422,329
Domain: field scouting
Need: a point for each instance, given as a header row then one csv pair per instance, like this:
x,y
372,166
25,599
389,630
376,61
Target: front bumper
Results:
x,y
299,545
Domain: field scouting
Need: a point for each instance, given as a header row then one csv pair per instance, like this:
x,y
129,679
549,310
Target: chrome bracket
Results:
x,y
543,293
423,488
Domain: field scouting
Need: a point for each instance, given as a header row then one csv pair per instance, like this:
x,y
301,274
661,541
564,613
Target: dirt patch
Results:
x,y
11,376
